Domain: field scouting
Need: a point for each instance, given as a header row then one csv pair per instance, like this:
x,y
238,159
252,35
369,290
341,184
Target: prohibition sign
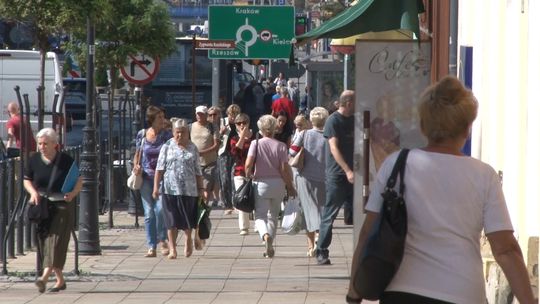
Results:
x,y
140,69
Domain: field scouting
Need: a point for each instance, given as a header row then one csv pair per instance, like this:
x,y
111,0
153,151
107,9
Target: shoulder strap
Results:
x,y
399,168
53,173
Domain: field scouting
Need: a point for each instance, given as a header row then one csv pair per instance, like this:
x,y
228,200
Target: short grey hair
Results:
x,y
318,116
178,123
267,125
50,133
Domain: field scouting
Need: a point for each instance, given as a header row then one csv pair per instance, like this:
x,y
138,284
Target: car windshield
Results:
x,y
75,86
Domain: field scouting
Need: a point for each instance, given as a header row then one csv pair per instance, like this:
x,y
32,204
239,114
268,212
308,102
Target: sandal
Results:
x,y
164,248
150,254
172,255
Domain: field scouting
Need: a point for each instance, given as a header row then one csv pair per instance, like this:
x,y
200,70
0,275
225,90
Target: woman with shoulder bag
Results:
x,y
272,179
225,160
451,198
239,151
310,183
44,179
148,144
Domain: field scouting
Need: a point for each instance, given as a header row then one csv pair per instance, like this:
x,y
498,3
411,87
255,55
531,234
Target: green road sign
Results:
x,y
259,32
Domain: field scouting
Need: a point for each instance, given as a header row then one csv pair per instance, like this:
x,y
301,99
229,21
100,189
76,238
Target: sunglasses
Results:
x,y
241,122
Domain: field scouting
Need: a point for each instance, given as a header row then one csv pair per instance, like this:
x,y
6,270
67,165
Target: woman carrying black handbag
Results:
x,y
451,199
44,180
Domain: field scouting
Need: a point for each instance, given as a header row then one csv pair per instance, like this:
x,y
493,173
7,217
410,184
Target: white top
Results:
x,y
449,199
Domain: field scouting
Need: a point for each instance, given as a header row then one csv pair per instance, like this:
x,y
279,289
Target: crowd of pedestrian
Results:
x,y
185,163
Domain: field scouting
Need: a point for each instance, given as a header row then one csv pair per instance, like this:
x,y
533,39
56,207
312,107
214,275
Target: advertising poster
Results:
x,y
390,77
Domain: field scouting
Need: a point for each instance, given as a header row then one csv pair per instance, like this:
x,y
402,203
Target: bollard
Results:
x,y
11,205
3,210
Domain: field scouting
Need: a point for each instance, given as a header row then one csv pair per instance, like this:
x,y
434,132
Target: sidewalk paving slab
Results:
x,y
230,269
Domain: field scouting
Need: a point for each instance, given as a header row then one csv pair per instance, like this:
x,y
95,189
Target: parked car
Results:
x,y
75,98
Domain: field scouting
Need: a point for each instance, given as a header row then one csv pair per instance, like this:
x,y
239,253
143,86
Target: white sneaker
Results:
x,y
244,232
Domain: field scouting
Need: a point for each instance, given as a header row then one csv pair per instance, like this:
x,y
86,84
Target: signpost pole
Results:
x,y
193,89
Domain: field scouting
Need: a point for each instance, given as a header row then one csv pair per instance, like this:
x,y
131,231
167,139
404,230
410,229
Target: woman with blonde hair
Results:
x,y
179,169
272,177
451,199
310,183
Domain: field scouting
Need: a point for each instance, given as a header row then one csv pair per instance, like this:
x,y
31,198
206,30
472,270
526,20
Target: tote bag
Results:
x,y
383,250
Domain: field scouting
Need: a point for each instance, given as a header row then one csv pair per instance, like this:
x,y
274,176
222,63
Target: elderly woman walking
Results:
x,y
45,174
273,179
309,181
178,166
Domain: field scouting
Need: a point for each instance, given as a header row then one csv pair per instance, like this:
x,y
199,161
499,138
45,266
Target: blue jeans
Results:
x,y
153,215
338,192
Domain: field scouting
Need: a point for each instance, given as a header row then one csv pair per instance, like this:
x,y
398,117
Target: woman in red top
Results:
x,y
239,151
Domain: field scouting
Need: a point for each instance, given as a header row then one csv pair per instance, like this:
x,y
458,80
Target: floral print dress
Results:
x,y
181,166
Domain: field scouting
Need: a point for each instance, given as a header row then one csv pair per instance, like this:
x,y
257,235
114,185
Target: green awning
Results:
x,y
369,16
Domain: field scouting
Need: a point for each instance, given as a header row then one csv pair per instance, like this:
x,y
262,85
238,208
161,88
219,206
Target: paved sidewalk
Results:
x,y
230,269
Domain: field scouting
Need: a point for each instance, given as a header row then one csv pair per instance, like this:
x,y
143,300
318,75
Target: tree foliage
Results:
x,y
126,27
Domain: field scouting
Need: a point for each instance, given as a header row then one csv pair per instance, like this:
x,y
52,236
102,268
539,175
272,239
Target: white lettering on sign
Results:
x,y
247,11
226,52
281,41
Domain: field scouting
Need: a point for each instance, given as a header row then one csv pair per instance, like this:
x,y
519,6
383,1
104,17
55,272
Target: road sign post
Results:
x,y
259,32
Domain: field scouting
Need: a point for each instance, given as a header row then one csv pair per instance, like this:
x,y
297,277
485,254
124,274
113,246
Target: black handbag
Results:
x,y
203,220
40,212
383,251
243,198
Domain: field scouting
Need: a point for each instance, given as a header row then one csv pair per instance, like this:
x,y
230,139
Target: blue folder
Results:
x,y
71,179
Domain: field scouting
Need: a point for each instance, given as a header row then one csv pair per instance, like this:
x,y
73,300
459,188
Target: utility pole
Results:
x,y
88,211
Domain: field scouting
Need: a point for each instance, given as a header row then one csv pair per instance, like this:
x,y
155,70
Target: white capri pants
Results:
x,y
268,197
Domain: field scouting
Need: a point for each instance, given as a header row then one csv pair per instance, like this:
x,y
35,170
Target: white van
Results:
x,y
22,68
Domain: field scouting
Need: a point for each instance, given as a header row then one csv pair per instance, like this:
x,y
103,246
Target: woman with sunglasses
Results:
x,y
239,150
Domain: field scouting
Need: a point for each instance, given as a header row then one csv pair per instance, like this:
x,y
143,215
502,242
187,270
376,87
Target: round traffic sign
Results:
x,y
265,35
140,69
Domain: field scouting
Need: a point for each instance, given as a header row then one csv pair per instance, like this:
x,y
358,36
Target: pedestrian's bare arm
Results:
x,y
213,147
249,166
11,137
287,176
29,187
334,149
157,179
507,253
370,220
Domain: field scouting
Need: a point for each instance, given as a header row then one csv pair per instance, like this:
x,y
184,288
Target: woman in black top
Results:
x,y
54,232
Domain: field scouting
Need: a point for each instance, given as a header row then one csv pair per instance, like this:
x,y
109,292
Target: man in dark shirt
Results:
x,y
339,130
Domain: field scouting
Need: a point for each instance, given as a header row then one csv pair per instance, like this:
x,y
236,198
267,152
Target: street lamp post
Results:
x,y
88,211
193,75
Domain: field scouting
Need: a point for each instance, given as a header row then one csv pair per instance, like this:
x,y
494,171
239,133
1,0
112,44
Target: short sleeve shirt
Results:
x,y
39,172
203,137
150,151
450,199
271,154
181,168
342,128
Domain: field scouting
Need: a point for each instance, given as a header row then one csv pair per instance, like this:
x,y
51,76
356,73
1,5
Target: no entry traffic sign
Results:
x,y
140,69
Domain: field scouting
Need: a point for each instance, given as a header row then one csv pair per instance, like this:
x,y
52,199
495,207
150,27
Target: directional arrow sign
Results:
x,y
140,69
